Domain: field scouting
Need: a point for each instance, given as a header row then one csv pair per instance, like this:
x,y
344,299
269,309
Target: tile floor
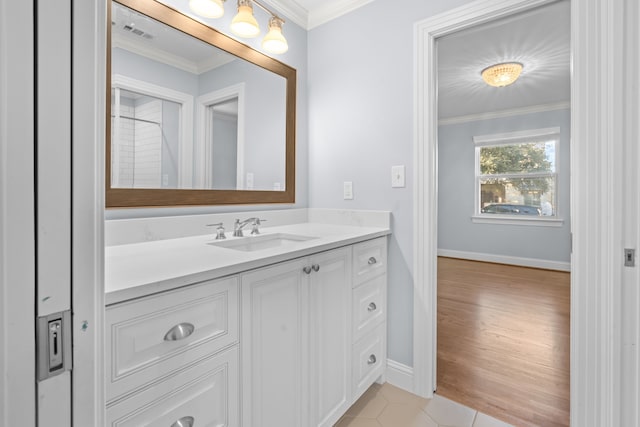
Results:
x,y
389,406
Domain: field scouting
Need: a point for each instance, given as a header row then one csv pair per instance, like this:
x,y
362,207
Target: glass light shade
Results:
x,y
274,41
244,24
207,8
501,75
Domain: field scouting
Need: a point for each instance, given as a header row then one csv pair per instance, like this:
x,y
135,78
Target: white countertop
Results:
x,y
140,269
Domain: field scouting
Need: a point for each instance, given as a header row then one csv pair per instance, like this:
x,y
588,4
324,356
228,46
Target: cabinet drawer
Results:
x,y
207,394
152,337
369,360
369,260
369,306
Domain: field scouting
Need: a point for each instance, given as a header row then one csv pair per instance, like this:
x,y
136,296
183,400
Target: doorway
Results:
x,y
503,197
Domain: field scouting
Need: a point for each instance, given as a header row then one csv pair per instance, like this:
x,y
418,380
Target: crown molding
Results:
x,y
332,10
292,10
505,113
311,19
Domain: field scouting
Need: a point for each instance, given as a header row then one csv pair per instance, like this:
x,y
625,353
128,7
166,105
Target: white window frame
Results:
x,y
204,170
511,138
185,155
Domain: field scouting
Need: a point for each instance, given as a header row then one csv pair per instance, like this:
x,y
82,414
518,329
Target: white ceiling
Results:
x,y
539,39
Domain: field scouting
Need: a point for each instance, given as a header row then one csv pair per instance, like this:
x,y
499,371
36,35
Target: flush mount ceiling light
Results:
x,y
500,75
207,8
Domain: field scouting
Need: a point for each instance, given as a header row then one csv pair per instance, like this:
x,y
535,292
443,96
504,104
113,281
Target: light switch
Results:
x,y
348,190
397,176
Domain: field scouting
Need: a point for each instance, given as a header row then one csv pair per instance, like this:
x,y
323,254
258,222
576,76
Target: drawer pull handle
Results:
x,y
307,270
315,267
184,422
179,332
372,306
372,260
372,359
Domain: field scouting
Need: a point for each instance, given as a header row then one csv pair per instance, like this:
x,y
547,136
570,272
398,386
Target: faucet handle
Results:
x,y
219,230
255,225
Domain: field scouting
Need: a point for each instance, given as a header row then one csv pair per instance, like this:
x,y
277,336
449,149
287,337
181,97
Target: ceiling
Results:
x,y
311,13
539,39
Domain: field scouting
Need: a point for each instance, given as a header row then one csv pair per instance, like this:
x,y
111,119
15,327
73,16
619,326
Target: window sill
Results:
x,y
534,221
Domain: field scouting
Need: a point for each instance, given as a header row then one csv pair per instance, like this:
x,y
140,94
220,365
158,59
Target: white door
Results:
x,y
274,343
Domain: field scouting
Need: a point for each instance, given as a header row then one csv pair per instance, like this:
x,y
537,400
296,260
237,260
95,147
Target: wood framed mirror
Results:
x,y
194,117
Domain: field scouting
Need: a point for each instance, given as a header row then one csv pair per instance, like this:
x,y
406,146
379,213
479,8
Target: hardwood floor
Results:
x,y
503,341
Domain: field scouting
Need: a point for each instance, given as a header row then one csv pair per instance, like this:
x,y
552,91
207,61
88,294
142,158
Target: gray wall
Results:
x,y
361,93
456,188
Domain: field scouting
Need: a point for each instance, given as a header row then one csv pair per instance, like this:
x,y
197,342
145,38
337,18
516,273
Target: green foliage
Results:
x,y
517,159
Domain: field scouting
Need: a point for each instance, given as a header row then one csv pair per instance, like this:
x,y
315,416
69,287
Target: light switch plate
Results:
x,y
348,190
397,176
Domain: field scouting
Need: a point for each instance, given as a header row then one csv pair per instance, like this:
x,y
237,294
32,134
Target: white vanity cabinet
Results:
x,y
290,344
296,343
313,335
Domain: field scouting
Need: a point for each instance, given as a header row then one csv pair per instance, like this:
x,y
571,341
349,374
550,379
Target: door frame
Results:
x,y
596,197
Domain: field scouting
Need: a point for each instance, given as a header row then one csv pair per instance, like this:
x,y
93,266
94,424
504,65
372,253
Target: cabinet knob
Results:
x,y
372,359
372,260
372,306
184,422
179,332
315,267
307,269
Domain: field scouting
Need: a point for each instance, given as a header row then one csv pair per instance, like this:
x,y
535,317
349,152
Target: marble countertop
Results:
x,y
139,269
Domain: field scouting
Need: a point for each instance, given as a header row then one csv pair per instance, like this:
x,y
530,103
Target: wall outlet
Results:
x,y
397,176
249,181
348,190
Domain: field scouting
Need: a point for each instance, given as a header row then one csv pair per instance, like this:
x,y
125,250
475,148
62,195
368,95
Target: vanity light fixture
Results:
x,y
207,8
503,74
244,24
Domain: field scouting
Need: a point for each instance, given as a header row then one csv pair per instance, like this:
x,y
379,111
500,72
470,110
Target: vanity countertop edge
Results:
x,y
140,269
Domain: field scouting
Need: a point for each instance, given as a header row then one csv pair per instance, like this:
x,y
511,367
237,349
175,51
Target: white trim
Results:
x,y
505,113
292,10
515,137
399,375
535,221
185,176
203,166
88,118
333,10
597,192
426,172
504,259
17,215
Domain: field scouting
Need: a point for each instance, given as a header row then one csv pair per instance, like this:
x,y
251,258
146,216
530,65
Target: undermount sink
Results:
x,y
261,242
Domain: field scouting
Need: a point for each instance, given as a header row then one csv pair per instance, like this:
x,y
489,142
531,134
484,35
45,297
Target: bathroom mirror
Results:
x,y
194,116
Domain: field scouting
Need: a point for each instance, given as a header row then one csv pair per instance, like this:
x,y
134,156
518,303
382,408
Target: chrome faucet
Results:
x,y
239,225
219,230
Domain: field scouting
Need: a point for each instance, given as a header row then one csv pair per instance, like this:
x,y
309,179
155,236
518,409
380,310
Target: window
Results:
x,y
516,175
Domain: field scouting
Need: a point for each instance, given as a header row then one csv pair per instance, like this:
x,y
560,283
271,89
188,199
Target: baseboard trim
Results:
x,y
400,375
503,259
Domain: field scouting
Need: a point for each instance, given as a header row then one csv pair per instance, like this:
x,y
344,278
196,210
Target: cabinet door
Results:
x,y
330,357
274,346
